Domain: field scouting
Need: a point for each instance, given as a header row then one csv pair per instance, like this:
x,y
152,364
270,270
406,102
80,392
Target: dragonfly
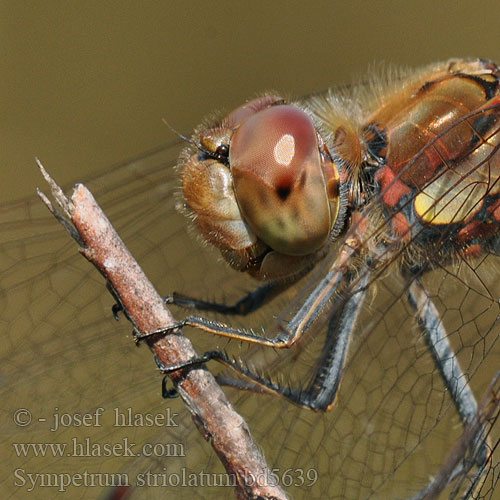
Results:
x,y
384,304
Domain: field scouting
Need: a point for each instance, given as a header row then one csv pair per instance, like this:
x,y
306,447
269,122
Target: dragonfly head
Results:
x,y
263,182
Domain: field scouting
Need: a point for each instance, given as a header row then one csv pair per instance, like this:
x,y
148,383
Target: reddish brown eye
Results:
x,y
239,115
278,180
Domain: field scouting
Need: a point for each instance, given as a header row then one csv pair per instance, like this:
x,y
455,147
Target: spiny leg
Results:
x,y
324,387
446,362
251,302
304,317
321,393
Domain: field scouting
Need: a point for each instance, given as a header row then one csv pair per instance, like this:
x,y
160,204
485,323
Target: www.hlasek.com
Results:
x,y
63,481
85,447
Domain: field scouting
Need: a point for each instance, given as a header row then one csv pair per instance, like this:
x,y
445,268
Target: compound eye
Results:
x,y
278,180
234,119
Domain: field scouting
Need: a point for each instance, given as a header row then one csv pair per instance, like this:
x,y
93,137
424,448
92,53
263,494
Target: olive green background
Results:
x,y
86,84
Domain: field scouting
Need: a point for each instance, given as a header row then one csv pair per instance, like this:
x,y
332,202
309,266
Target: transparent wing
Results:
x,y
62,353
393,425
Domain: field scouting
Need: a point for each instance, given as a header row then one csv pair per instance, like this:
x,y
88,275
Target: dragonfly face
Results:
x,y
275,173
403,182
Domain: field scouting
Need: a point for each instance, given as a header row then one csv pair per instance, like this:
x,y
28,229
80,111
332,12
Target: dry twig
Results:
x,y
215,417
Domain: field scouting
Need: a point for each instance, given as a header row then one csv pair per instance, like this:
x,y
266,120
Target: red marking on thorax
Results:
x,y
495,210
392,188
477,229
401,226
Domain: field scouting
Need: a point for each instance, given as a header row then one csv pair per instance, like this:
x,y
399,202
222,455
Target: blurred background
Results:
x,y
86,84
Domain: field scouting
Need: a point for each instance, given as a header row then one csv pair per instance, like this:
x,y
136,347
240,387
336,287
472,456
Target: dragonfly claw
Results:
x,y
116,310
166,392
140,336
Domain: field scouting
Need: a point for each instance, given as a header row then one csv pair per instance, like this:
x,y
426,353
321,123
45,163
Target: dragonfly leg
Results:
x,y
321,393
286,336
247,304
251,302
446,362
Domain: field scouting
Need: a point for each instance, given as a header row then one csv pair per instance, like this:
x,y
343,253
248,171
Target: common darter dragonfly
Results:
x,y
389,292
